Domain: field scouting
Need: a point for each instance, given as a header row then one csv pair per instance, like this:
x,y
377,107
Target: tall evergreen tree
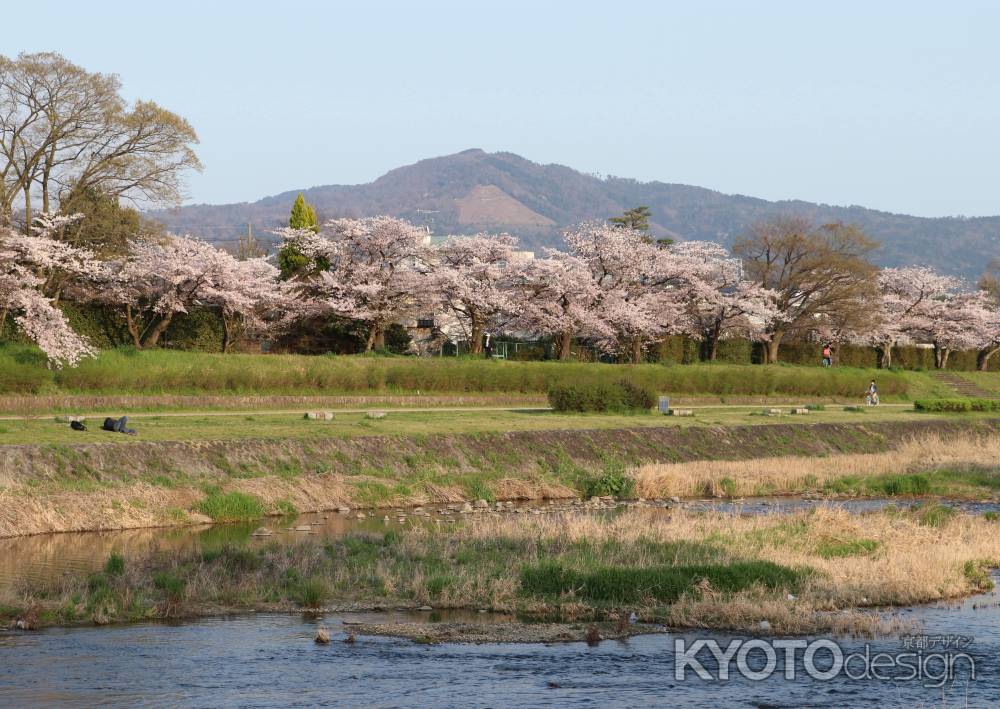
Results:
x,y
290,259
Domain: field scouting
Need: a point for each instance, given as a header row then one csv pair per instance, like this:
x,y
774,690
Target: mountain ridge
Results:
x,y
475,191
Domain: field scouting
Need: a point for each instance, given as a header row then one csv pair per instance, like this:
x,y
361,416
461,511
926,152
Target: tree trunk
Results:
x,y
637,345
712,342
771,347
161,327
376,338
983,357
133,327
227,335
941,356
883,354
564,344
476,336
27,211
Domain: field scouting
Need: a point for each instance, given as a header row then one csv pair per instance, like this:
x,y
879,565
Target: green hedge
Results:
x,y
618,396
957,405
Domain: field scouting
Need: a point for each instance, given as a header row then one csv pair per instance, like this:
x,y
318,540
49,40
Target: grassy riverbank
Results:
x,y
684,570
137,483
126,372
291,425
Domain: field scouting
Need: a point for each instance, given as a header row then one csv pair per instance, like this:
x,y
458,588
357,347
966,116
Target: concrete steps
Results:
x,y
963,387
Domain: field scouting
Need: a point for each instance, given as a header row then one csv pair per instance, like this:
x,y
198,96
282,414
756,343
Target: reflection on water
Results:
x,y
47,556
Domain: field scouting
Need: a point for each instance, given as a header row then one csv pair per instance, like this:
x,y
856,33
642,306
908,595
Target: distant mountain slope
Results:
x,y
477,191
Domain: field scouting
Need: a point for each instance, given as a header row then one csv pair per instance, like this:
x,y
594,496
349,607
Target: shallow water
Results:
x,y
45,557
271,661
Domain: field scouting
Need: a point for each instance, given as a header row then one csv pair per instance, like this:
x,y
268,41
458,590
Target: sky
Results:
x,y
890,105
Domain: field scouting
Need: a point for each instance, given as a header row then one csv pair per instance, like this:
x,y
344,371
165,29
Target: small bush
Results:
x,y
893,485
171,584
978,575
612,480
480,490
934,515
309,593
231,506
115,565
602,397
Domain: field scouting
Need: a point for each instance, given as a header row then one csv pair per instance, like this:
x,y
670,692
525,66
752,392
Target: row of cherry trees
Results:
x,y
612,286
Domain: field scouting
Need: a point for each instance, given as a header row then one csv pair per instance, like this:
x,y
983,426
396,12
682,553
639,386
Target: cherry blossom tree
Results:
x,y
719,302
559,297
982,309
472,276
639,286
26,263
161,279
373,269
908,301
249,295
952,322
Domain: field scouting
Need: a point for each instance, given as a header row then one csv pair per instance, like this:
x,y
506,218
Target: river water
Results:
x,y
271,660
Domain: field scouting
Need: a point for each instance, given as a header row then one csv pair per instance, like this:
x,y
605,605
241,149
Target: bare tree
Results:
x,y
815,272
63,128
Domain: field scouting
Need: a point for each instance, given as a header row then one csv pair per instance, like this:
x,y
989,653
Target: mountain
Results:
x,y
477,191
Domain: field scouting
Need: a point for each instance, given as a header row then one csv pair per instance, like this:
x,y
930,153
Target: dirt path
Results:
x,y
414,410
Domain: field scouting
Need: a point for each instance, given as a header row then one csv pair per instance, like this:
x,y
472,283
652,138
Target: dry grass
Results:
x,y
478,564
912,562
795,474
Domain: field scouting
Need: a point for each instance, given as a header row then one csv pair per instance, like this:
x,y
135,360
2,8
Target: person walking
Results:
x,y
827,355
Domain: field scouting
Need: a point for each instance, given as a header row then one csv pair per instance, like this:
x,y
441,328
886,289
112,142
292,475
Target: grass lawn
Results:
x,y
125,372
220,426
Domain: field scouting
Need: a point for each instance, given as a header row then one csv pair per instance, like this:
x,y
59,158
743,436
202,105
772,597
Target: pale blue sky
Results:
x,y
892,105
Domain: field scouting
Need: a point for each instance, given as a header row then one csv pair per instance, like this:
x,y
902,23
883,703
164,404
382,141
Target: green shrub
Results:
x,y
978,574
612,480
913,484
231,506
584,396
170,583
957,405
663,583
934,515
115,565
309,593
